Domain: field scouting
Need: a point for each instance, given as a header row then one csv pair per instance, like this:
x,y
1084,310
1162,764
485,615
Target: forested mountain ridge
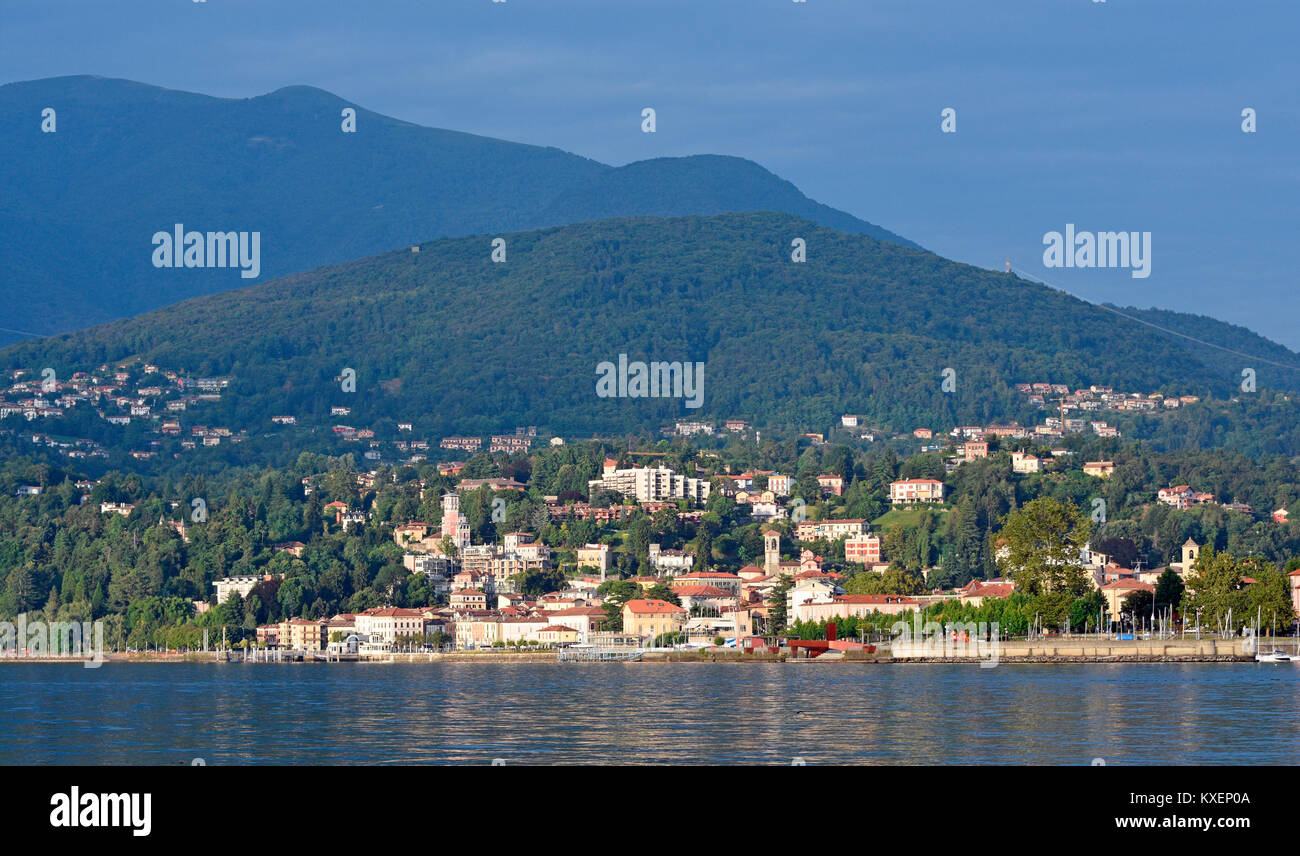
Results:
x,y
121,160
455,343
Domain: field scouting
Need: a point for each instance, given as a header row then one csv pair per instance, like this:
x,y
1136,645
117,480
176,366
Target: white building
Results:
x,y
1025,463
241,585
670,561
652,484
811,530
387,624
916,490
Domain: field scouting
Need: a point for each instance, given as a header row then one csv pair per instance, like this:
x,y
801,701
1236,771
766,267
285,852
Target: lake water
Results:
x,y
650,713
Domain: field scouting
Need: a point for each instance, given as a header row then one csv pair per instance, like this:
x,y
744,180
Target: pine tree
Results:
x,y
20,590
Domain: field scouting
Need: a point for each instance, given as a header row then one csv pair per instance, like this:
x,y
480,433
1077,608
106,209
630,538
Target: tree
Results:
x,y
1268,599
20,590
1214,586
1086,611
1043,542
777,610
638,536
899,580
1053,609
616,593
537,583
1122,551
51,610
1169,590
1139,603
660,591
966,558
703,551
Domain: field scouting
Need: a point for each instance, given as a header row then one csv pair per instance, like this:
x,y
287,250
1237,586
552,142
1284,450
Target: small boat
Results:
x,y
1276,656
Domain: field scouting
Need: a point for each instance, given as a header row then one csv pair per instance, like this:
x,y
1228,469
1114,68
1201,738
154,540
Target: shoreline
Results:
x,y
648,657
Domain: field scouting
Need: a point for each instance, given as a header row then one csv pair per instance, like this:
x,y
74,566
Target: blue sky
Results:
x,y
1123,115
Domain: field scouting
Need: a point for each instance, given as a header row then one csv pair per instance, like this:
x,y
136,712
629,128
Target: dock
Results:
x,y
598,655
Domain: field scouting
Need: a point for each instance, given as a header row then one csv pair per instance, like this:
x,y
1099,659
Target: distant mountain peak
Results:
x,y
130,159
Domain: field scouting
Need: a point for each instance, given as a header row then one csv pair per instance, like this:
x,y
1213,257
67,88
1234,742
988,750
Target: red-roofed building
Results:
x,y
650,617
864,549
583,619
831,484
975,591
1178,496
1116,592
855,606
708,597
386,624
468,599
556,634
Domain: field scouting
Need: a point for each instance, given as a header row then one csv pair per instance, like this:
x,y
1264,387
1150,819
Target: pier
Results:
x,y
599,655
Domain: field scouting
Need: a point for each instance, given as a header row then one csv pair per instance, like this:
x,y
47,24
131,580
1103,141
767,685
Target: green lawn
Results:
x,y
905,517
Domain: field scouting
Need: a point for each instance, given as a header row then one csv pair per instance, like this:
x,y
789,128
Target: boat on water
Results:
x,y
1276,656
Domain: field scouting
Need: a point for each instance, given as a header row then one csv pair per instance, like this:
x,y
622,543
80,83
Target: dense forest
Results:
x,y
456,343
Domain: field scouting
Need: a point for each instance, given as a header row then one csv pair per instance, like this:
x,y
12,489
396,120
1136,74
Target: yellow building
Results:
x,y
594,556
645,617
1116,592
301,634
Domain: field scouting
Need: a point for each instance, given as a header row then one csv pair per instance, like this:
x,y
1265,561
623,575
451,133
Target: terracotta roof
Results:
x,y
578,610
1130,584
874,598
700,591
978,589
652,607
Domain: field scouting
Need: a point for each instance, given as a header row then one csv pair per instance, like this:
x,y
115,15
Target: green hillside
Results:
x,y
455,343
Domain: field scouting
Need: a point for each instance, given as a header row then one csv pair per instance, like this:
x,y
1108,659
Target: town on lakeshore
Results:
x,y
715,536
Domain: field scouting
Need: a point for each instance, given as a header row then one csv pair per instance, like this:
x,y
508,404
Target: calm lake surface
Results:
x,y
650,713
